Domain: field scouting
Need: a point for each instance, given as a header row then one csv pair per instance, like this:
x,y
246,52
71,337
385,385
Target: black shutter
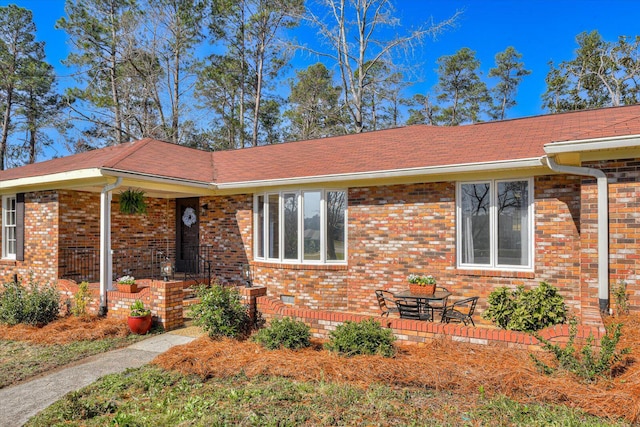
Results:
x,y
20,227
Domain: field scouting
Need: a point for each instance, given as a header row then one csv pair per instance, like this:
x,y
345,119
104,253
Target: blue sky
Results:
x,y
542,30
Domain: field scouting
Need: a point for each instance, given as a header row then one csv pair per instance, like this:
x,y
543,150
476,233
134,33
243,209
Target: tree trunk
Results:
x,y
5,127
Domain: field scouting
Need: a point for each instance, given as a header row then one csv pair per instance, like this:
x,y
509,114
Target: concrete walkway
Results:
x,y
20,402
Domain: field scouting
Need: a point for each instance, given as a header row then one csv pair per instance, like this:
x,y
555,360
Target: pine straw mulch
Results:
x,y
442,365
66,330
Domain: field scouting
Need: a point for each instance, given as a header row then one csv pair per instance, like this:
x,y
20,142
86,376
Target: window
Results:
x,y
495,224
9,241
301,226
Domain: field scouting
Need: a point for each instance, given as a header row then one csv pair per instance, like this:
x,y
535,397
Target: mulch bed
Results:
x,y
441,365
67,329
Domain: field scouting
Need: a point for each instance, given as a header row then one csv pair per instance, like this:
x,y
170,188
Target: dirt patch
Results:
x,y
442,365
66,330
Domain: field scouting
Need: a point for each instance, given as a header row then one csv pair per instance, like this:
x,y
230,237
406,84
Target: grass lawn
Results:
x,y
20,360
26,351
151,396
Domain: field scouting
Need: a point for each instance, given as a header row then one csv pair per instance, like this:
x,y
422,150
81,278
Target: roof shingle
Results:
x,y
392,149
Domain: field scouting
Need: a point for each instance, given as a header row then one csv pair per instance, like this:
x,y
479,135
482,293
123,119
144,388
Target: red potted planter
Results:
x,y
139,325
139,319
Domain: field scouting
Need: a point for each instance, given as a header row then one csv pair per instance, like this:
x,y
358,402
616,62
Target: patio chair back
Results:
x,y
419,311
386,302
461,311
441,304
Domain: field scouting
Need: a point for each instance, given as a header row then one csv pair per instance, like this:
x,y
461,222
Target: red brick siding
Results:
x,y
226,225
80,222
41,240
313,287
624,227
80,226
557,235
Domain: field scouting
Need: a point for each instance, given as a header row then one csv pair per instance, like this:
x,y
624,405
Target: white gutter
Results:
x,y
106,258
392,173
603,224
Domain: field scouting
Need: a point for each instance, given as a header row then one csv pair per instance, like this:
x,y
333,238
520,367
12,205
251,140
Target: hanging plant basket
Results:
x,y
132,202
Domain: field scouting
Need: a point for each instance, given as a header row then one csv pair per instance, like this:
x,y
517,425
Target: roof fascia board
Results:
x,y
155,178
48,180
593,144
388,174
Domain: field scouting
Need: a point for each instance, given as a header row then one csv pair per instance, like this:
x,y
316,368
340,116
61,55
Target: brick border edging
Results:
x,y
415,332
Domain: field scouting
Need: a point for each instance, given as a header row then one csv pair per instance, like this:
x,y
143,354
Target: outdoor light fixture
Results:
x,y
246,274
166,270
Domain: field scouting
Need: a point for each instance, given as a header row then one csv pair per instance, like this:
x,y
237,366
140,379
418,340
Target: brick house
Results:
x,y
323,223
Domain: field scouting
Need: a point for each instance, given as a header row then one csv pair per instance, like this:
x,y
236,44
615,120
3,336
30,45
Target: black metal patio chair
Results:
x,y
420,311
439,305
460,311
386,302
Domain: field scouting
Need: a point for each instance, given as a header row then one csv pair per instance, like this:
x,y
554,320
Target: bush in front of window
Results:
x,y
367,337
32,305
285,332
526,310
221,312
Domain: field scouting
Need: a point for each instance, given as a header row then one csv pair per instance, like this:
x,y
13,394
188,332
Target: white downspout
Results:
x,y
106,267
603,224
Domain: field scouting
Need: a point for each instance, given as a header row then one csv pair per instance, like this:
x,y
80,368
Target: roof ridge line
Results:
x,y
135,146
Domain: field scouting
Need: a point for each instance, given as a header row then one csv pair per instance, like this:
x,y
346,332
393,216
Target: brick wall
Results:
x,y
41,240
80,228
397,230
624,227
226,225
164,299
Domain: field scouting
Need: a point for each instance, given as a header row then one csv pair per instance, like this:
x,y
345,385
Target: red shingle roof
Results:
x,y
391,149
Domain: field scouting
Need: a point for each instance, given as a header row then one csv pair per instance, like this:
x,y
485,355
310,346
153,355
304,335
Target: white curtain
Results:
x,y
468,241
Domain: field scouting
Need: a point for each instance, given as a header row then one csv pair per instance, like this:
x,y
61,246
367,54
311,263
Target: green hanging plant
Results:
x,y
132,202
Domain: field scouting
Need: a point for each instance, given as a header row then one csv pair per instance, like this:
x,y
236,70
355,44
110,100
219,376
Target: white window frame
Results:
x,y
493,231
6,203
323,232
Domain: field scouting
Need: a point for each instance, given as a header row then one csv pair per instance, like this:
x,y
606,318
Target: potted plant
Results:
x,y
132,202
127,284
139,319
422,284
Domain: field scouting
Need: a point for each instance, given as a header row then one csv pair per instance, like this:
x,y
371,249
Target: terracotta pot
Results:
x,y
420,289
131,289
139,325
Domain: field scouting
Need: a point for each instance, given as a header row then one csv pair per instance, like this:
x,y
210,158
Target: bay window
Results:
x,y
495,224
301,226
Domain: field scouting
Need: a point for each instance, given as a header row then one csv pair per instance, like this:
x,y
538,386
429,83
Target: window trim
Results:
x,y
300,199
493,230
5,254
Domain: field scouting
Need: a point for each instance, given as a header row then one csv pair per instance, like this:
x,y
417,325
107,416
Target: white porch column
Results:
x,y
106,266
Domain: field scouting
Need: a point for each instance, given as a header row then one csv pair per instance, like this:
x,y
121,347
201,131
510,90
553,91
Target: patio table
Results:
x,y
439,296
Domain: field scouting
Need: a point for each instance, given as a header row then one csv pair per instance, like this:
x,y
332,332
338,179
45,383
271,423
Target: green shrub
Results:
x,y
33,305
221,312
526,310
366,337
620,298
586,363
285,332
81,300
